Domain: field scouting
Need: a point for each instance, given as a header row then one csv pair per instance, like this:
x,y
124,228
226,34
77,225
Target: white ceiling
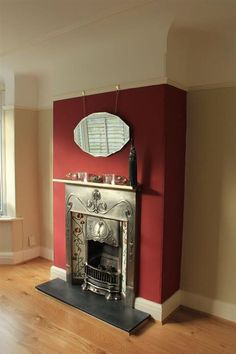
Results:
x,y
24,23
74,44
27,22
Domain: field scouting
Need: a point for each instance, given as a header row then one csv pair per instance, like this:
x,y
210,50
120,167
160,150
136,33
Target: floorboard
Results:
x,y
34,323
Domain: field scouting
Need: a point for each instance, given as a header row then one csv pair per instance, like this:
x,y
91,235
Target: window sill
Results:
x,y
9,218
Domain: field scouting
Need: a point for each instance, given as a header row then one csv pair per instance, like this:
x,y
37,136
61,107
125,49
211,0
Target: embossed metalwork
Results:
x,y
100,208
102,230
94,204
127,210
109,203
70,203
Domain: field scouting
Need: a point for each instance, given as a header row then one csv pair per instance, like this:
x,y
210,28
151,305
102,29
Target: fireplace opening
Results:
x,y
102,271
103,256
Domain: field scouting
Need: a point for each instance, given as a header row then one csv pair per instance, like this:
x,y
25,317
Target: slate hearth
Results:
x,y
116,313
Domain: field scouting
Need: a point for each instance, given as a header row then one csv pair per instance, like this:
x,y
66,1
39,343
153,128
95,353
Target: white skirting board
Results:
x,y
56,272
197,302
25,255
19,256
212,306
7,257
161,311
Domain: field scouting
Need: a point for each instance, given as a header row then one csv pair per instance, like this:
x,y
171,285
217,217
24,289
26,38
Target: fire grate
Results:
x,y
102,282
103,276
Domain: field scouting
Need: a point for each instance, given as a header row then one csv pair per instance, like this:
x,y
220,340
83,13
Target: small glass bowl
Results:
x,y
109,178
71,175
82,176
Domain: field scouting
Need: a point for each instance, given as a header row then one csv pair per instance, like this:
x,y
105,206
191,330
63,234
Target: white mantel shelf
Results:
x,y
98,185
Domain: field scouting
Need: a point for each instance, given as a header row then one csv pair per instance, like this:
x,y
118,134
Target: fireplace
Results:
x,y
101,239
101,242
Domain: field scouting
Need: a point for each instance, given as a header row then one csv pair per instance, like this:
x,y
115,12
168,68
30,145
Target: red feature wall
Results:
x,y
150,113
175,132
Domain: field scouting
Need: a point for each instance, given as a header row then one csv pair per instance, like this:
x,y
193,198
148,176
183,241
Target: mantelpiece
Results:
x,y
93,184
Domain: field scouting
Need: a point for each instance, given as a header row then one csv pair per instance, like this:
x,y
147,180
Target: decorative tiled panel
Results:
x,y
124,256
78,245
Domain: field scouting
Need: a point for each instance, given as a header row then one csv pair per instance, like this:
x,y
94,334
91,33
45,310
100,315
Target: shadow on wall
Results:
x,y
146,173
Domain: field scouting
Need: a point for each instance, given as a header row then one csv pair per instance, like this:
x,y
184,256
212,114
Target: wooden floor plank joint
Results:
x,y
32,323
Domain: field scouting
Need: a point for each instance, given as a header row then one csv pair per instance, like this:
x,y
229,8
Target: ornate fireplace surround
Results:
x,y
101,241
101,238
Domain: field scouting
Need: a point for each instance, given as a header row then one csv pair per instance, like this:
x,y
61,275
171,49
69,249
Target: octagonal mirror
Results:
x,y
101,134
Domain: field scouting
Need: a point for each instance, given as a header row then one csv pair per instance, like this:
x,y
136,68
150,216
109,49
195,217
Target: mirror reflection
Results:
x,y
101,134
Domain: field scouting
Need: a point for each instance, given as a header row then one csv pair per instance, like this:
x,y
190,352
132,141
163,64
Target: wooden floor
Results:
x,y
31,322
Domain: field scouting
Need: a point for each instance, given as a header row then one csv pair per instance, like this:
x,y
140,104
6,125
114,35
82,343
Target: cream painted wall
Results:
x,y
209,244
27,180
45,127
26,91
211,58
11,236
5,236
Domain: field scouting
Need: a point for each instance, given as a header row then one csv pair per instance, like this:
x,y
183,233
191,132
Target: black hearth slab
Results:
x,y
114,312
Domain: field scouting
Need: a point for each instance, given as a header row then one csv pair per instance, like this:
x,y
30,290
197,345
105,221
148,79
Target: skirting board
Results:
x,y
159,311
25,255
56,272
19,256
212,306
8,257
197,302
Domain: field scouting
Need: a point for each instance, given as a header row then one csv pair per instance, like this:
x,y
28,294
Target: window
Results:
x,y
2,209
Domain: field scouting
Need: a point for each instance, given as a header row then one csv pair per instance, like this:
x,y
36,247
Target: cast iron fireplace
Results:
x,y
101,239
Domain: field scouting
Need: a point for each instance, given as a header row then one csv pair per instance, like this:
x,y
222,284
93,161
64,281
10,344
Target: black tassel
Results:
x,y
132,165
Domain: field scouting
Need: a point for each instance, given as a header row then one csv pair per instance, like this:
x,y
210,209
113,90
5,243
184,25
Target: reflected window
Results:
x,y
101,134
